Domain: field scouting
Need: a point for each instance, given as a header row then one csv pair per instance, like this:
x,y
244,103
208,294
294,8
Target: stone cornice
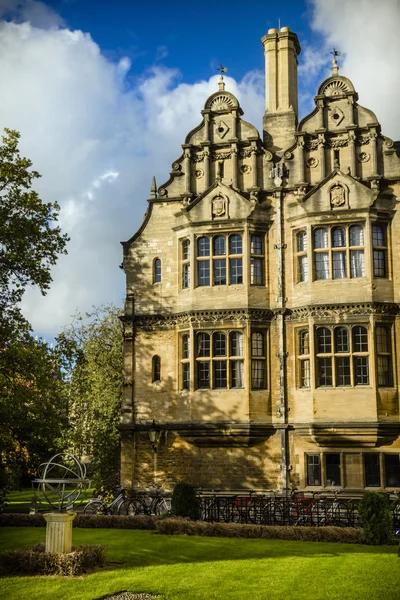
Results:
x,y
204,316
332,311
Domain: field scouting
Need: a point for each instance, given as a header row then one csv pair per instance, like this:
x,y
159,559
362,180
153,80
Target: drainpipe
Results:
x,y
282,410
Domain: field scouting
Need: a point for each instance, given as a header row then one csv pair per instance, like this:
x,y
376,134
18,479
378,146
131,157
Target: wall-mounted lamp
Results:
x,y
154,435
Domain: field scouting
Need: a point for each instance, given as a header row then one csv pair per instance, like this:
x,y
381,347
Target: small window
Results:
x,y
313,469
304,359
203,246
156,369
392,470
332,469
384,356
256,260
235,244
379,250
157,271
203,345
372,470
302,258
258,368
219,246
185,249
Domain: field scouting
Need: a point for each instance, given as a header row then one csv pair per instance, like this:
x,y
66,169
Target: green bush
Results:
x,y
184,502
83,521
35,561
179,526
376,518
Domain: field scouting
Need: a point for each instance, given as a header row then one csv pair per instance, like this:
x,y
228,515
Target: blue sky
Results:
x,y
104,93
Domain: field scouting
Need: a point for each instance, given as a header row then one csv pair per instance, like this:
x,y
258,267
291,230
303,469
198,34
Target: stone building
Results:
x,y
263,299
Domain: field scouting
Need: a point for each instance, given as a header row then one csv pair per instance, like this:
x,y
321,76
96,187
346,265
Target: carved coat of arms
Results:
x,y
337,196
218,207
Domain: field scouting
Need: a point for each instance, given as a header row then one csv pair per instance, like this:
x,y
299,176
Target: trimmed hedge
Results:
x,y
345,535
83,521
35,561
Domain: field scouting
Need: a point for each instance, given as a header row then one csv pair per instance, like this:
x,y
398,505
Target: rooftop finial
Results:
x,y
221,83
153,188
335,67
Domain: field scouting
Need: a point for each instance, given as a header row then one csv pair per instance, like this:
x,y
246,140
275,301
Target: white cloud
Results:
x,y
97,142
367,34
36,13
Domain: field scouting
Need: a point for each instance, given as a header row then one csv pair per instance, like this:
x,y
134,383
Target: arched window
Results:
x,y
156,369
157,270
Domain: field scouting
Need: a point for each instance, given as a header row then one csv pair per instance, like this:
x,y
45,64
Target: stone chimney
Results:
x,y
281,49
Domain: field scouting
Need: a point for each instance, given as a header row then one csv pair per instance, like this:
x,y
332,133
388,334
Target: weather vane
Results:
x,y
222,69
335,53
335,68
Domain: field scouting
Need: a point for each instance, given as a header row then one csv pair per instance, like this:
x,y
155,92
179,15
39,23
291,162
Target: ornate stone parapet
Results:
x,y
59,531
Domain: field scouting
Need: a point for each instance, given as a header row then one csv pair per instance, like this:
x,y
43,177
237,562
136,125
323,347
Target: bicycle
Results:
x,y
99,506
304,509
243,509
148,503
214,508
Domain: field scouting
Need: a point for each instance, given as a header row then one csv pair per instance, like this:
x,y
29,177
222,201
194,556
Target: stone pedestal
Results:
x,y
59,532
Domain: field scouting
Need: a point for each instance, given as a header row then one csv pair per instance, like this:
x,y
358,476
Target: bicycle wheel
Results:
x,y
134,507
95,507
251,515
236,515
161,508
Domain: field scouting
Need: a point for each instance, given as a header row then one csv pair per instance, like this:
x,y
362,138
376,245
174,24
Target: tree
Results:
x,y
30,378
29,242
93,347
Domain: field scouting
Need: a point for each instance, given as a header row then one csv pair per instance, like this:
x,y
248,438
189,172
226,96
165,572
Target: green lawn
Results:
x,y
200,568
19,501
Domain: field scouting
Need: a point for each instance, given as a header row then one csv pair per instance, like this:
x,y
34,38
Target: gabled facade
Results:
x,y
263,299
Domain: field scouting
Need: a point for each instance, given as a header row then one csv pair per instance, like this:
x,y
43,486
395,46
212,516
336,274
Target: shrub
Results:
x,y
84,521
35,561
178,526
184,502
376,518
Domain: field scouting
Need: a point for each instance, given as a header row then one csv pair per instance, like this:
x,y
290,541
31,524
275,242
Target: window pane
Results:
x,y
256,245
378,236
356,235
325,371
157,270
257,374
156,368
219,245
237,373
203,344
185,346
332,469
304,342
257,344
185,249
220,376
392,470
342,340
339,265
324,340
305,373
379,263
321,265
361,371
237,343
186,275
313,469
203,246
372,471
219,344
338,237
256,271
382,339
303,268
357,263
320,238
302,241
203,267
343,371
360,339
186,376
219,272
236,275
203,374
235,244
384,371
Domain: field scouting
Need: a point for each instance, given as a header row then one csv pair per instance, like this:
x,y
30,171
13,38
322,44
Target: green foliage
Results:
x,y
376,518
184,501
31,406
92,351
35,561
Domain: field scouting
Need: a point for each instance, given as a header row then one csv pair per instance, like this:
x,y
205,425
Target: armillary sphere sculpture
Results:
x,y
60,482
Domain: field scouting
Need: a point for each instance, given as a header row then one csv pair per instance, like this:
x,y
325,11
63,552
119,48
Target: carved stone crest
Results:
x,y
199,173
218,207
245,169
338,197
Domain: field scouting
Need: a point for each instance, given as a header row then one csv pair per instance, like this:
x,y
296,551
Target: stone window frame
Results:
x,y
185,249
257,258
347,364
233,260
156,369
380,266
157,270
381,459
217,361
258,363
301,256
334,249
384,354
303,353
